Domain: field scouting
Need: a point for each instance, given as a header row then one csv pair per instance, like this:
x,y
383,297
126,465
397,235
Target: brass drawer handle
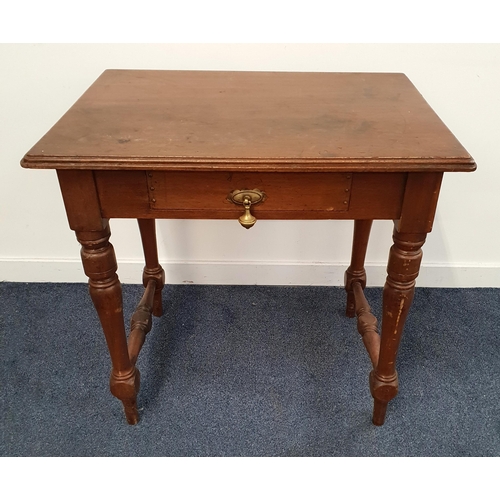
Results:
x,y
247,198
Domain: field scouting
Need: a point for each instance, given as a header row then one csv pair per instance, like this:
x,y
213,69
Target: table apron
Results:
x,y
295,195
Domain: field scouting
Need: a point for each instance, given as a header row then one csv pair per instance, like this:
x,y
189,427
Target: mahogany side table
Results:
x,y
249,146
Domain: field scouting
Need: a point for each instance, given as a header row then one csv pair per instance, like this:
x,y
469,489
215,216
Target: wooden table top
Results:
x,y
204,120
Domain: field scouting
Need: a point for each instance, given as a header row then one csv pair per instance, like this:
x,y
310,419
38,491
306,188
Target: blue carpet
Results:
x,y
248,371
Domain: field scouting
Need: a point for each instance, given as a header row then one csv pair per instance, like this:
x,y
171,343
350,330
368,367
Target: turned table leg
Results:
x,y
152,270
99,263
402,270
356,270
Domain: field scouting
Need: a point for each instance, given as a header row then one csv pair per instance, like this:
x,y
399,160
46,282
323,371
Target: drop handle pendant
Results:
x,y
247,220
247,198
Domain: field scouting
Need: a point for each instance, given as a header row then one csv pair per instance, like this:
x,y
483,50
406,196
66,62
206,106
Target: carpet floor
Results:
x,y
248,371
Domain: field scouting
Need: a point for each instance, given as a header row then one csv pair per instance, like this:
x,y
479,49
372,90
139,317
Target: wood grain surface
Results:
x,y
266,121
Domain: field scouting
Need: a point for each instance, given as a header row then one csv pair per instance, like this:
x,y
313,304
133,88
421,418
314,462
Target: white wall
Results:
x,y
38,83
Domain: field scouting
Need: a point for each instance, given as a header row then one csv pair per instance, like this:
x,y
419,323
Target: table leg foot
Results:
x,y
379,410
131,413
125,387
382,390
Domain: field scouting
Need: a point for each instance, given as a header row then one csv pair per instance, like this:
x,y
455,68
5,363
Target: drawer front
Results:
x,y
295,195
294,192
